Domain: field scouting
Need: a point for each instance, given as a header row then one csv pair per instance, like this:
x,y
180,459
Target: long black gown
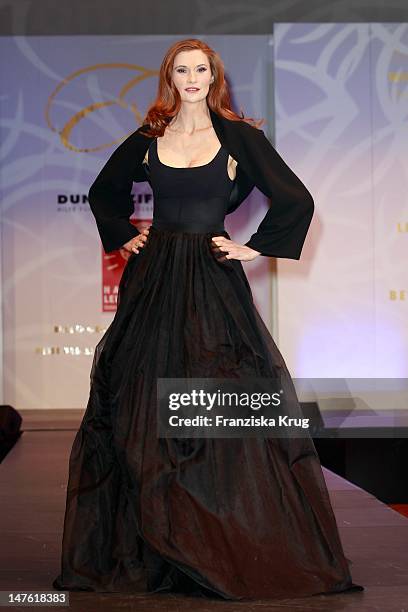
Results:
x,y
241,518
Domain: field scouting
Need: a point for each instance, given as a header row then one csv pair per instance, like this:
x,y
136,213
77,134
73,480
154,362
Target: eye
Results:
x,y
202,69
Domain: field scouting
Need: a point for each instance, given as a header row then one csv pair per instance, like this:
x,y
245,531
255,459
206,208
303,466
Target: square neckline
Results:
x,y
185,167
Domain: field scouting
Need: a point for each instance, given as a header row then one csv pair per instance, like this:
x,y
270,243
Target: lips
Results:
x,y
192,89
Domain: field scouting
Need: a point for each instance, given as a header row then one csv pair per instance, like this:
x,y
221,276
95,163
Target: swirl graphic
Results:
x,y
66,131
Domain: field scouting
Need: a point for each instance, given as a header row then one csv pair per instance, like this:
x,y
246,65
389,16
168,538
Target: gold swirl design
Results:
x,y
66,132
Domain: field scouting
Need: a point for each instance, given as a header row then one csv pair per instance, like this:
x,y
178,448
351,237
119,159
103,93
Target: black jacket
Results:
x,y
282,231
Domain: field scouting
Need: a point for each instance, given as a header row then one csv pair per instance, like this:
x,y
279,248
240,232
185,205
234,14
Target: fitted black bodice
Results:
x,y
194,198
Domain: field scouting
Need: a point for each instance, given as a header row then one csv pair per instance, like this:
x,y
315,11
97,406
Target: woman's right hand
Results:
x,y
133,245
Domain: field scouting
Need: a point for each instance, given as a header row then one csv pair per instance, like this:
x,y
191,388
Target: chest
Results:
x,y
189,154
204,181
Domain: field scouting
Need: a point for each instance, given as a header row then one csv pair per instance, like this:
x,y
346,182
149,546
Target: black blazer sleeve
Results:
x,y
110,195
283,230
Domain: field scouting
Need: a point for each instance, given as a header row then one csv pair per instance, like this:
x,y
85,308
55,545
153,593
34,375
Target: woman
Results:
x,y
240,518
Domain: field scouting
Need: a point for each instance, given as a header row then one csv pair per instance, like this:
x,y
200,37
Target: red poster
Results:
x,y
112,269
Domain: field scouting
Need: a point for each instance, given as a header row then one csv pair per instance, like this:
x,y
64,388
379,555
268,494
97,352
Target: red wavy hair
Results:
x,y
167,103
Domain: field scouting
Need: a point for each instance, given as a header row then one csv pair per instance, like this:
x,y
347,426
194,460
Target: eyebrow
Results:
x,y
184,66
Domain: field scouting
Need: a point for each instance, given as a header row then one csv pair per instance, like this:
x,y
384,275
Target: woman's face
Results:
x,y
192,75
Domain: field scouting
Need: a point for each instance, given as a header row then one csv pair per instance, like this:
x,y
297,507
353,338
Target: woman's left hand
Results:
x,y
234,250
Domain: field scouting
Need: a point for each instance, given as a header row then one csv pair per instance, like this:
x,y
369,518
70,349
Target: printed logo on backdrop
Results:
x,y
119,101
112,263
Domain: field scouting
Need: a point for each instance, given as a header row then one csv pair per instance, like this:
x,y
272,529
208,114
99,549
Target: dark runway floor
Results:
x,y
32,498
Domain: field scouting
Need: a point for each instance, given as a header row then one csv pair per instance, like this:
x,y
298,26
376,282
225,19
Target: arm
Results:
x,y
283,230
110,194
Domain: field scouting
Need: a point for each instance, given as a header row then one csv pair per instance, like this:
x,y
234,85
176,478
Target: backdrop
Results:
x,y
69,102
341,101
336,95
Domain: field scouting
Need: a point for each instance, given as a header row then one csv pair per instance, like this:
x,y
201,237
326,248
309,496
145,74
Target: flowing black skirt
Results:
x,y
240,518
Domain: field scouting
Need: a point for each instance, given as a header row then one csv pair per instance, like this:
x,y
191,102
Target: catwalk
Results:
x,y
33,480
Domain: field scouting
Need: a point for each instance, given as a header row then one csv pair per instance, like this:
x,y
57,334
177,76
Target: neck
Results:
x,y
192,117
